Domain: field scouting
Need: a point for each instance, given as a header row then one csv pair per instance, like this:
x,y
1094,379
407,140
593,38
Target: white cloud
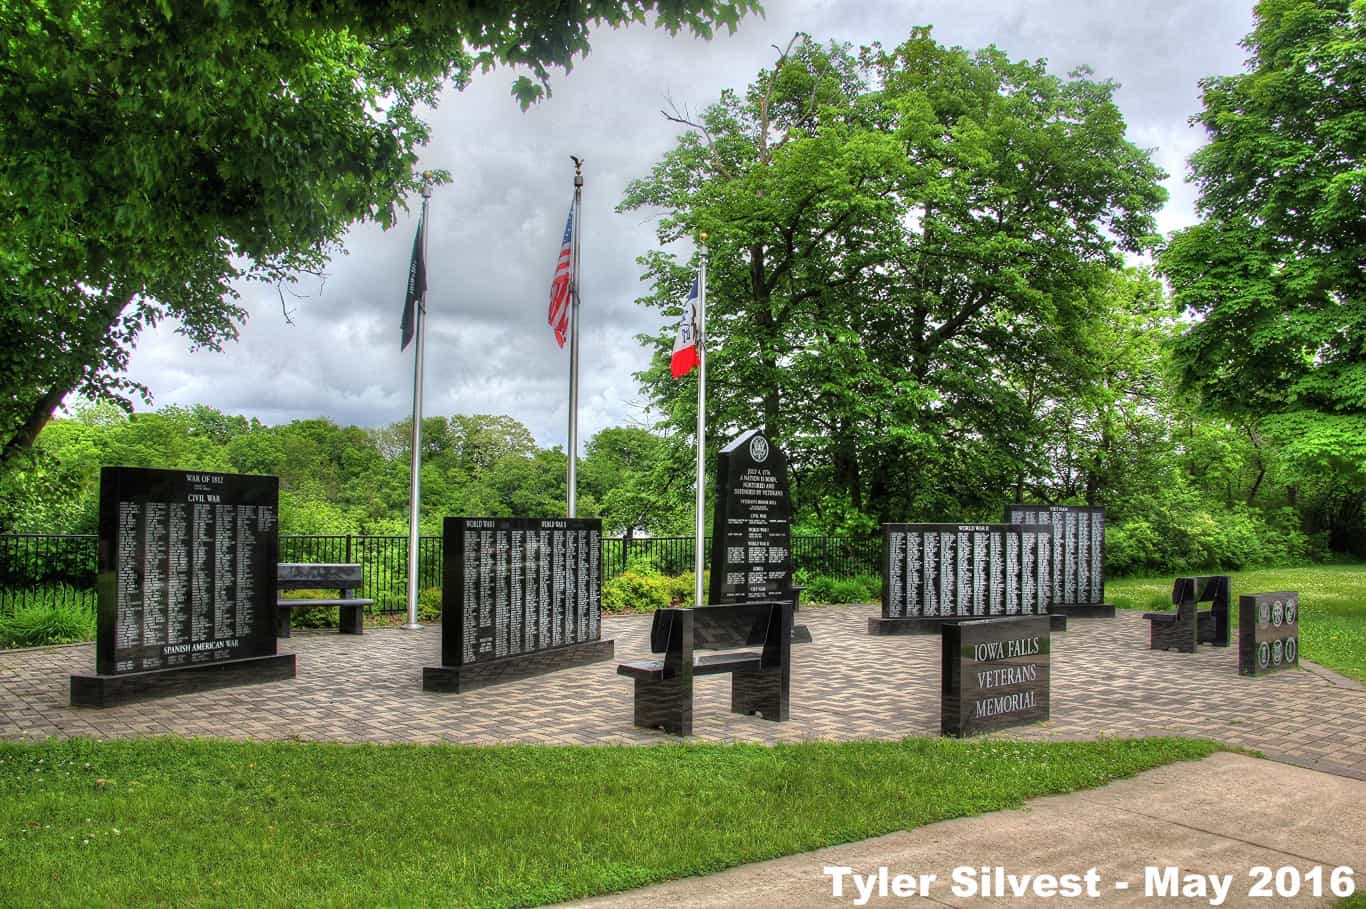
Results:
x,y
495,230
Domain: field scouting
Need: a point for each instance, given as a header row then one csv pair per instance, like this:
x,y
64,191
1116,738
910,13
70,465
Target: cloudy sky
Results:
x,y
495,230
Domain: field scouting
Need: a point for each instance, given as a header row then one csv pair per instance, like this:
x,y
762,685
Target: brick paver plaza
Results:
x,y
845,685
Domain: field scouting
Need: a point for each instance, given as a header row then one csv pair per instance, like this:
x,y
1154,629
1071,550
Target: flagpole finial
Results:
x,y
578,169
427,184
703,236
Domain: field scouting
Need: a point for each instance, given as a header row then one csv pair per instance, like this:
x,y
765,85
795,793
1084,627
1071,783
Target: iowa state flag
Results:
x,y
685,343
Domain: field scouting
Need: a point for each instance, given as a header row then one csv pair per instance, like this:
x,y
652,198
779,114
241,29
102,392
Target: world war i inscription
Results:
x,y
1077,561
1268,632
520,596
186,584
938,573
995,674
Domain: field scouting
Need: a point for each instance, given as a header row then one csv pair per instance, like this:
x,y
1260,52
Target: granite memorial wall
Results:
x,y
520,596
936,573
186,582
1077,559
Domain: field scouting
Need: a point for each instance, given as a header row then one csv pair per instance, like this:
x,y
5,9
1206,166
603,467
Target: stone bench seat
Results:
x,y
703,664
344,577
760,679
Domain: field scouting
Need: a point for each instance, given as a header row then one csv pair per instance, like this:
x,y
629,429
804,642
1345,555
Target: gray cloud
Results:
x,y
495,230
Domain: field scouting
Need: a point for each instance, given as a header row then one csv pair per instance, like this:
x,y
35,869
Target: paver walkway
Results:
x,y
853,685
1223,815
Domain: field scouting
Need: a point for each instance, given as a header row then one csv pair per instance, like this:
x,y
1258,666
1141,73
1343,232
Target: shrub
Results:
x,y
635,591
429,605
863,588
35,624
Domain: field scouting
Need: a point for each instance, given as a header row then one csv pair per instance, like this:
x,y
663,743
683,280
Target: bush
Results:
x,y
863,588
636,591
429,605
1179,536
35,624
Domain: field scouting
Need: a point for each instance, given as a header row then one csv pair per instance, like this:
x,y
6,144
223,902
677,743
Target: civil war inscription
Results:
x,y
186,580
186,568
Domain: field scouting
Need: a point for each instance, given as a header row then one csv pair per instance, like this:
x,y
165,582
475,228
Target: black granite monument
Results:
x,y
186,585
520,597
1268,632
995,674
937,574
1078,556
751,541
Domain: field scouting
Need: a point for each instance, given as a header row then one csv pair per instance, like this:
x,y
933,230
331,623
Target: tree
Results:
x,y
1273,276
892,234
151,154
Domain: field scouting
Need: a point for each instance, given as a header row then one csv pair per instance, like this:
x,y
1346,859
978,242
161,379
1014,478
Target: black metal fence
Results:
x,y
60,568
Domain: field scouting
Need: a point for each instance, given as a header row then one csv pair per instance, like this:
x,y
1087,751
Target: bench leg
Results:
x,y
764,693
665,705
282,622
352,620
1178,636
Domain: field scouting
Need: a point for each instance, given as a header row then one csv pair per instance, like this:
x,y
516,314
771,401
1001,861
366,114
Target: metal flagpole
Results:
x,y
698,554
415,483
573,503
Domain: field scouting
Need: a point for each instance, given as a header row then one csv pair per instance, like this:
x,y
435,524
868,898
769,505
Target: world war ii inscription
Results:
x,y
187,568
519,596
949,571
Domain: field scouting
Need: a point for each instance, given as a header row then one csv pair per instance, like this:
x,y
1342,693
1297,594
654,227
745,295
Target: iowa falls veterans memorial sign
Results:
x,y
995,674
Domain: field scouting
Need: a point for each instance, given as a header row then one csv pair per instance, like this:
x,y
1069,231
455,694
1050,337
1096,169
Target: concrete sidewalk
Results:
x,y
1222,815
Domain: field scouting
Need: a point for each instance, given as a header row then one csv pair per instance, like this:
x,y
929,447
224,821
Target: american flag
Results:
x,y
559,286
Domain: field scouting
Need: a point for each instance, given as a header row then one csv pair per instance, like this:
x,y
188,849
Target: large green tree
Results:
x,y
1275,274
153,153
896,237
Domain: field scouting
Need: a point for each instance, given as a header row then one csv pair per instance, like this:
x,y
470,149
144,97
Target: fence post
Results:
x,y
348,547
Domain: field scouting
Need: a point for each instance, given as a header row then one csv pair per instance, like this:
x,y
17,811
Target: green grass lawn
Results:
x,y
167,822
1332,607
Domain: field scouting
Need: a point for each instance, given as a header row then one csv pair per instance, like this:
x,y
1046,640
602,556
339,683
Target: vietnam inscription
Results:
x,y
1077,550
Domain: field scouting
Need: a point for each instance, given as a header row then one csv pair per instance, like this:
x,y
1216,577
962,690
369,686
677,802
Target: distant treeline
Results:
x,y
1206,496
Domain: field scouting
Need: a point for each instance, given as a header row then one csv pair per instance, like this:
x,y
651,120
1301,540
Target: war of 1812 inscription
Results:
x,y
1078,556
751,554
186,584
1268,632
520,596
995,674
939,573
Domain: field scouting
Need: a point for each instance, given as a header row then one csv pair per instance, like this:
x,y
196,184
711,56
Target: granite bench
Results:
x,y
760,678
1189,626
345,578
